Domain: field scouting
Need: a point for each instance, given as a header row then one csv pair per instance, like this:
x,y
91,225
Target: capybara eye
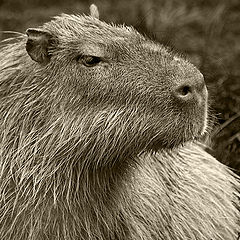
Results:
x,y
89,61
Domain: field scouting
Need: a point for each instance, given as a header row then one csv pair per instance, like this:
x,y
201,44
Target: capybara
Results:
x,y
99,139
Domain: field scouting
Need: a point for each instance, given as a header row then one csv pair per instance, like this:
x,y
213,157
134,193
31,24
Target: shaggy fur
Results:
x,y
94,152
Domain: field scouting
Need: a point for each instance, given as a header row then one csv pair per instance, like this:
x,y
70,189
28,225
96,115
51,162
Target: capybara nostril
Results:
x,y
190,90
183,91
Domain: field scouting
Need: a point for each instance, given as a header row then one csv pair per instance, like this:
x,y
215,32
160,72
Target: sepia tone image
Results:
x,y
120,120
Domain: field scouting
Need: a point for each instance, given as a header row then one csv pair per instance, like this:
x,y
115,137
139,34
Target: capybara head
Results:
x,y
92,88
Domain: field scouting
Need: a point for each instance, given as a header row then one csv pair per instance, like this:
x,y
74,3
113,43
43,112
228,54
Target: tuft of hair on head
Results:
x,y
94,11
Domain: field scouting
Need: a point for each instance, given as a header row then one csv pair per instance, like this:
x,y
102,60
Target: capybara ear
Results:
x,y
38,44
94,11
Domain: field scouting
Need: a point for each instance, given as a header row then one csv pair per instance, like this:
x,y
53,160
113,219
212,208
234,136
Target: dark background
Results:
x,y
207,32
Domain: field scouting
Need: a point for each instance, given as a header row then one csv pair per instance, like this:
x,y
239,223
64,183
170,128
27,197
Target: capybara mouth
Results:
x,y
189,124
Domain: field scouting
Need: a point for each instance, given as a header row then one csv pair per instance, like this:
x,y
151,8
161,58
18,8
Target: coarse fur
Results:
x,y
107,151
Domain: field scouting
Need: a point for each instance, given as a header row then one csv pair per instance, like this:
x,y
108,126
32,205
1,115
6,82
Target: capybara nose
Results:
x,y
190,90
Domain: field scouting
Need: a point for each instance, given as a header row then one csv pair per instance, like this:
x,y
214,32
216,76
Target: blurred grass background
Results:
x,y
207,32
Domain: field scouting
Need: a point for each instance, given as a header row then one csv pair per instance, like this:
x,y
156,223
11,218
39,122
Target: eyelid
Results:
x,y
80,56
89,61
